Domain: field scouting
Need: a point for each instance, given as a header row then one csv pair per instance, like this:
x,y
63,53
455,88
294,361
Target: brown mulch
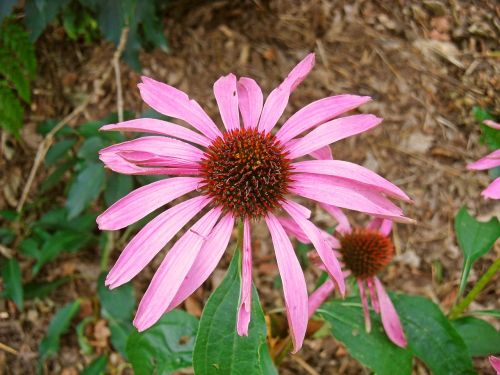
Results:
x,y
425,64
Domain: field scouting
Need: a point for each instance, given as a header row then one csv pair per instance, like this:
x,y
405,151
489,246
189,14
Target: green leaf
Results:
x,y
117,186
218,348
431,336
475,238
85,188
89,150
493,312
6,8
165,347
481,338
491,137
373,349
37,289
39,13
55,177
58,151
11,111
83,342
117,306
480,114
96,367
58,326
12,278
9,215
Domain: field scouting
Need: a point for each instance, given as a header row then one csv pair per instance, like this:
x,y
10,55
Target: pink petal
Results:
x,y
386,227
331,132
343,225
495,363
319,296
206,261
373,295
155,126
278,99
151,239
174,268
294,284
148,159
351,171
245,304
144,200
161,146
175,103
492,124
293,229
323,153
493,190
364,303
345,194
489,161
317,113
250,101
390,318
331,263
118,164
226,96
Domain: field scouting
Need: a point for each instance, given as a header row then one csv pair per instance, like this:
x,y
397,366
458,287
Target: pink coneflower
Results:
x,y
365,252
495,363
244,173
489,161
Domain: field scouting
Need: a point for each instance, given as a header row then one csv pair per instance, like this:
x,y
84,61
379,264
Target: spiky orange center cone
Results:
x,y
366,252
246,172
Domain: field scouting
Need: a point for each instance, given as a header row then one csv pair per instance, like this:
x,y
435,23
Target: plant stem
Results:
x,y
482,282
110,242
284,352
239,236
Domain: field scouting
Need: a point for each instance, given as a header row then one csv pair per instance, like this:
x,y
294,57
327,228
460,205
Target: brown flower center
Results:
x,y
246,172
366,252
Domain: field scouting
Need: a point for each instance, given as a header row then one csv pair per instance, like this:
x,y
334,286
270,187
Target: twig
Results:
x,y
49,138
302,363
8,349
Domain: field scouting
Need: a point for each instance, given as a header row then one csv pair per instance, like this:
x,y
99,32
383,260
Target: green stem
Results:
x,y
110,241
482,282
284,352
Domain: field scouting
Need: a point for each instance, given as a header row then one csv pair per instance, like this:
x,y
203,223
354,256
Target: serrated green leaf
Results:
x,y
431,336
58,150
12,278
481,338
218,348
117,186
85,188
57,327
165,347
475,238
96,367
372,349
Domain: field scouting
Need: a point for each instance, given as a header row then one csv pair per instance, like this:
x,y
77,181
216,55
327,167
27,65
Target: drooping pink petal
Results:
x,y
294,284
331,132
343,225
148,159
245,304
151,239
364,303
323,153
250,101
206,261
172,272
345,194
495,363
317,113
292,228
155,126
278,99
373,295
492,124
226,96
351,171
493,190
175,103
319,296
491,160
144,200
390,318
325,253
118,164
161,146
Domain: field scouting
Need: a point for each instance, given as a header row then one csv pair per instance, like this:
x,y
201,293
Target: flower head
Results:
x,y
365,252
489,161
243,173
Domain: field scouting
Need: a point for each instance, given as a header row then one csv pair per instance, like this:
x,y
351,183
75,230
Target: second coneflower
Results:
x,y
241,174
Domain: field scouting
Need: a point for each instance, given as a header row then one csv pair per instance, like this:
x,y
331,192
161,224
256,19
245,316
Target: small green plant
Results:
x,y
17,70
